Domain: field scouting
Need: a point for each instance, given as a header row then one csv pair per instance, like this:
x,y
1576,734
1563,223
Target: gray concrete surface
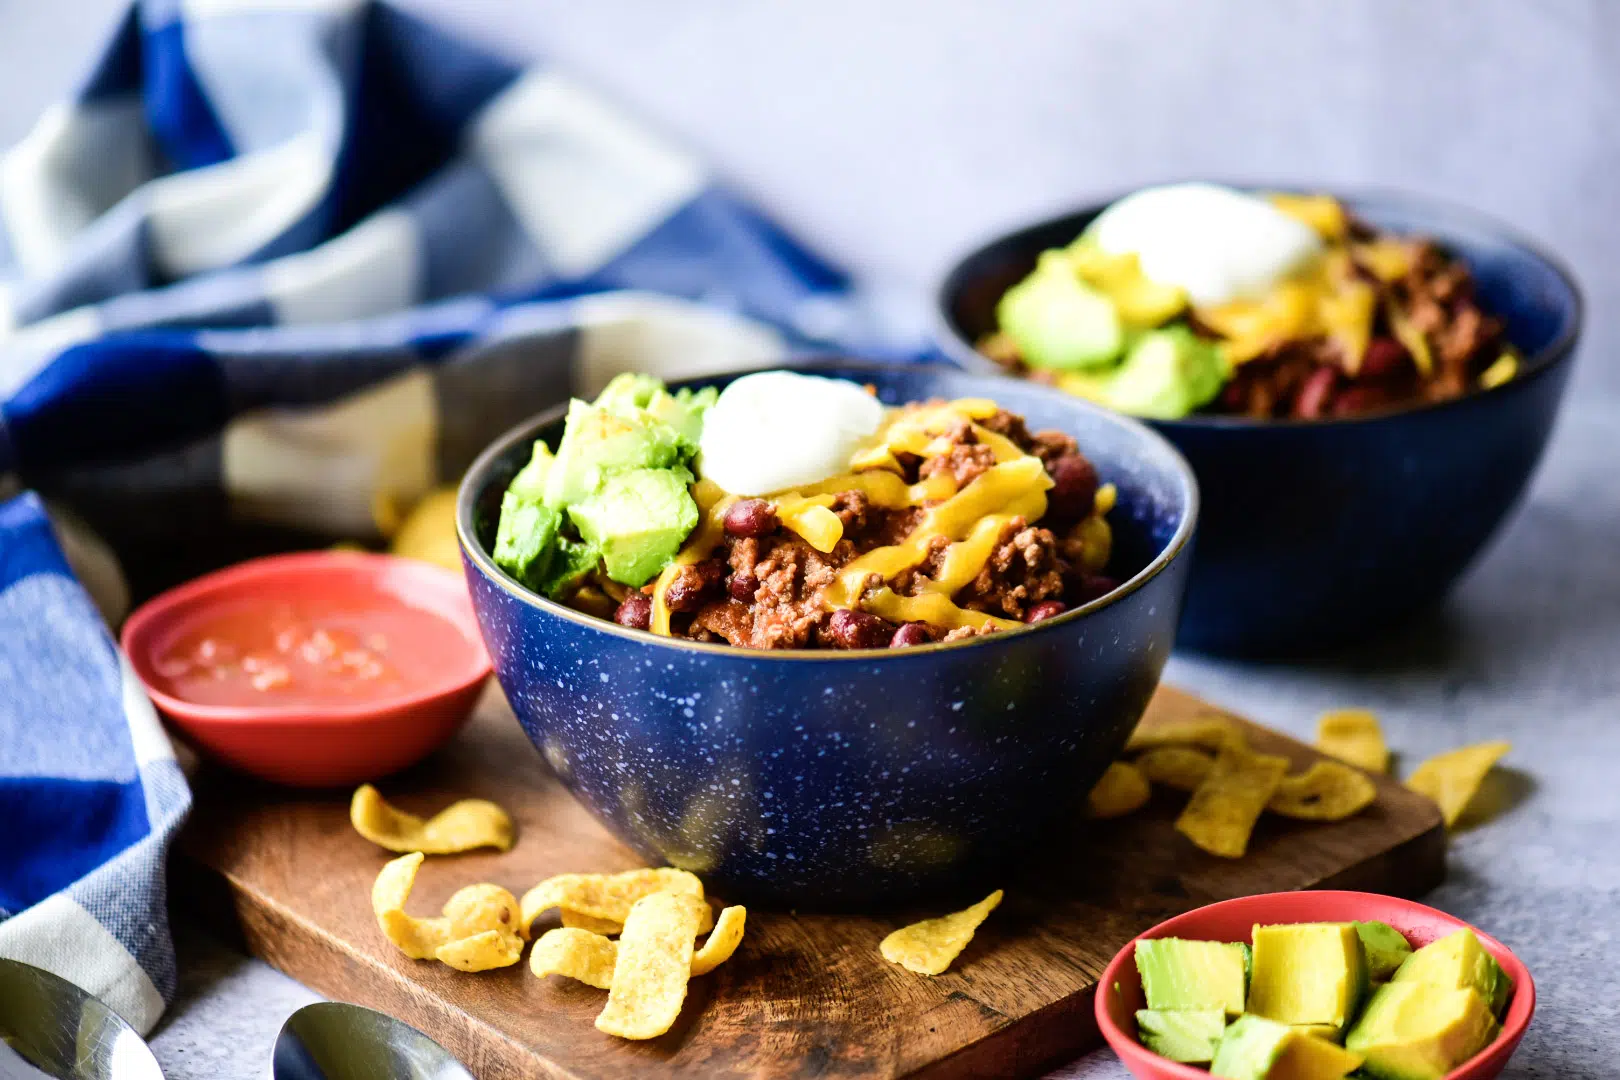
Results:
x,y
894,133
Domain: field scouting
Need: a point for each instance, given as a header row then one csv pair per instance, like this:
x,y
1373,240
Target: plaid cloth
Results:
x,y
274,262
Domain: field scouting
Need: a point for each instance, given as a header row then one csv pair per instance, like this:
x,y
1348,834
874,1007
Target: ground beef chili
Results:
x,y
1309,380
764,586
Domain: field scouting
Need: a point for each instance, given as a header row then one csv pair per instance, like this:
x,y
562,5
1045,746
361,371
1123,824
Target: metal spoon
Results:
x,y
331,1040
50,1028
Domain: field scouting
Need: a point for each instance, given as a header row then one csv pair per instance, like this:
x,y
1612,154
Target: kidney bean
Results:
x,y
1044,610
635,612
911,633
1074,488
1091,586
1359,399
848,629
743,586
751,517
1315,393
1384,357
693,584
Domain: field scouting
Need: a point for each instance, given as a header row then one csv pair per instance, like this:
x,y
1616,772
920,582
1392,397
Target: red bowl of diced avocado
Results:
x,y
1315,986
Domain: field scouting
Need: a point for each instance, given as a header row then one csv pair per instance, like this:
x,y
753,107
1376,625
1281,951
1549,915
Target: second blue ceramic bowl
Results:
x,y
833,779
1319,533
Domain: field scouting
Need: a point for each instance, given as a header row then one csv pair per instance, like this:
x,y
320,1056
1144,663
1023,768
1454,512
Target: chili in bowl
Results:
x,y
760,741
1363,384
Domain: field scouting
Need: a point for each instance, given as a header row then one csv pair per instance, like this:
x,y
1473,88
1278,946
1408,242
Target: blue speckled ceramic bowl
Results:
x,y
832,779
1320,533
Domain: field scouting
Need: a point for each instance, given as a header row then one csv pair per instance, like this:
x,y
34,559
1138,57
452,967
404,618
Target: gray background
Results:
x,y
893,133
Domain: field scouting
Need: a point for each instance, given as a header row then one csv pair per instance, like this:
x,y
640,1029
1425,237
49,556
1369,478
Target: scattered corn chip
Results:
x,y
581,921
428,533
475,932
1353,735
653,967
605,896
578,954
1179,767
418,939
1122,790
474,909
1223,809
1453,778
483,951
723,941
461,826
928,947
1211,730
1327,791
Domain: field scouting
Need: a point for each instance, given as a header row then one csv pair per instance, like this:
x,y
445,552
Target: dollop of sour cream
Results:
x,y
777,430
1216,244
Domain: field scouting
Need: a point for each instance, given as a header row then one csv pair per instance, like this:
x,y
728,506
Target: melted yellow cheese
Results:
x,y
712,506
972,519
1325,300
1013,488
810,517
935,609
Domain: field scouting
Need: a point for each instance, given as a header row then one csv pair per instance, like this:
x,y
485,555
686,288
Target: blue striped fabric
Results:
x,y
272,263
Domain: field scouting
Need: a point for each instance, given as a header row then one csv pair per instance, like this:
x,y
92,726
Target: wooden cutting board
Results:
x,y
806,995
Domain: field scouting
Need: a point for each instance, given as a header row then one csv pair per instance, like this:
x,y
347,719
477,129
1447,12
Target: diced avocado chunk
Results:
x,y
1386,949
1321,1031
572,563
1419,1031
628,393
683,411
1058,321
1307,973
525,538
530,482
1255,1048
1459,961
1186,1035
1167,374
598,442
631,395
1181,974
637,519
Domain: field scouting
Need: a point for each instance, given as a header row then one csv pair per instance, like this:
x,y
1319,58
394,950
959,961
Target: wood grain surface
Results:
x,y
806,995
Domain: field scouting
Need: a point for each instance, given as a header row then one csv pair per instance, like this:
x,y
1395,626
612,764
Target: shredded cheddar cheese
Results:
x,y
970,520
712,506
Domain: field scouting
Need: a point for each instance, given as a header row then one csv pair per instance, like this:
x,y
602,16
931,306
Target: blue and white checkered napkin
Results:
x,y
276,262
90,793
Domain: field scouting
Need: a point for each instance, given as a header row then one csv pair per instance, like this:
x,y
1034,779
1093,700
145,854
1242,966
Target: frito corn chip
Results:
x,y
723,941
654,965
1121,790
474,909
928,947
417,938
578,954
461,826
429,531
1223,809
474,912
1211,730
1353,735
1327,791
605,896
1453,778
1179,767
483,951
581,921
